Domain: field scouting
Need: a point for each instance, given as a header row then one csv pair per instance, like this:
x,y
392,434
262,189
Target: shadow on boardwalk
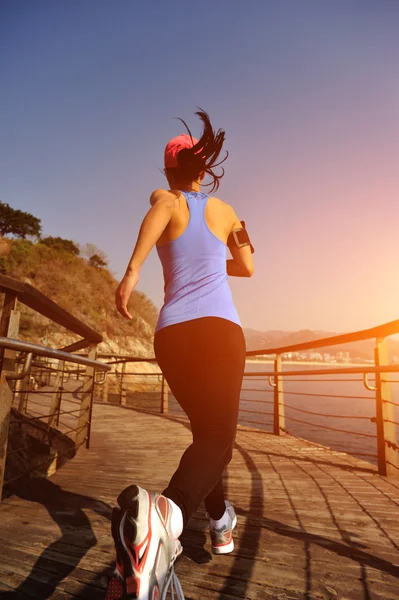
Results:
x,y
231,585
66,510
255,522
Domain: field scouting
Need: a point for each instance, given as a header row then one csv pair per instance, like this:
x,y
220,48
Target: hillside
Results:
x,y
86,291
257,340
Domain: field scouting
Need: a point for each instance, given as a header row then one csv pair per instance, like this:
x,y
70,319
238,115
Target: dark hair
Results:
x,y
201,158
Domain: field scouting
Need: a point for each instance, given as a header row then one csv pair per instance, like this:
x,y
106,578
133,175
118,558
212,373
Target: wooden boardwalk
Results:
x,y
312,523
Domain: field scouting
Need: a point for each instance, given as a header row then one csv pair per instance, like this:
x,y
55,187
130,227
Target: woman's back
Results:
x,y
219,218
193,256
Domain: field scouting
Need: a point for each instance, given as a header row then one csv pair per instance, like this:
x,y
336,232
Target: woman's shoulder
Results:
x,y
221,205
226,212
162,195
221,212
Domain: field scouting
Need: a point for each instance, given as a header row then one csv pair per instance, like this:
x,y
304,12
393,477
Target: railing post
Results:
x,y
279,418
88,435
164,396
57,396
387,450
49,371
9,326
105,390
122,395
84,421
22,387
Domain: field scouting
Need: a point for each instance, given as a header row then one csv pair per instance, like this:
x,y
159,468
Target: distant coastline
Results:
x,y
318,363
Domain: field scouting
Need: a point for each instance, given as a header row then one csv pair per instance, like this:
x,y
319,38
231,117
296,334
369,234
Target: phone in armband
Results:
x,y
239,238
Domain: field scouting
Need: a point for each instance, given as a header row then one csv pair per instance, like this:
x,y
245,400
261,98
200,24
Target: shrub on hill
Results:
x,y
84,290
97,261
61,244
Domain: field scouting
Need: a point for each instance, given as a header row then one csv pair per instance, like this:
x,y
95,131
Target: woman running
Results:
x,y
200,347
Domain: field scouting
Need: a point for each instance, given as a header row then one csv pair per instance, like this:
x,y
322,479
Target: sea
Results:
x,y
335,411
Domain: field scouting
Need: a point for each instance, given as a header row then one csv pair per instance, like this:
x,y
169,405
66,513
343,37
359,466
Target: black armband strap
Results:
x,y
239,238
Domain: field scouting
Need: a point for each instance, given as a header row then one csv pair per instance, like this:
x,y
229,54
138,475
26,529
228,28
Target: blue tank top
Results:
x,y
194,269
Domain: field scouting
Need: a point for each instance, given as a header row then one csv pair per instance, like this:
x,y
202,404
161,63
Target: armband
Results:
x,y
239,238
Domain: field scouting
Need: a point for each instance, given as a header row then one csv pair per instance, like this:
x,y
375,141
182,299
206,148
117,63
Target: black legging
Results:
x,y
203,361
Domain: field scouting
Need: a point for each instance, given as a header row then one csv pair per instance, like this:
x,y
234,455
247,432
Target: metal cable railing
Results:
x,y
33,394
53,419
316,402
310,394
318,414
254,412
325,393
263,417
368,435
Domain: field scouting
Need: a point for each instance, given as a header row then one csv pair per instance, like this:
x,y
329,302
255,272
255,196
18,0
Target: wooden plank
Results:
x,y
84,420
79,345
310,521
31,297
278,398
32,589
9,327
122,392
56,395
164,396
388,456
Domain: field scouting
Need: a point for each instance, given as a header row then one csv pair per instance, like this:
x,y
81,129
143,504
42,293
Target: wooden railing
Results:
x,y
121,382
381,332
387,448
19,359
26,294
384,415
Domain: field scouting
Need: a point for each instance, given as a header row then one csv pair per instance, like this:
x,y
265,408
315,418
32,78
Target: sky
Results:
x,y
307,92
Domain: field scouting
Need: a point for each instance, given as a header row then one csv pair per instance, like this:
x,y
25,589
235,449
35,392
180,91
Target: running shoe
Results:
x,y
145,548
222,539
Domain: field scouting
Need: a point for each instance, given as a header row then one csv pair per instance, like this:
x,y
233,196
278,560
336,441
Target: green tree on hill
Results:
x,y
19,223
60,244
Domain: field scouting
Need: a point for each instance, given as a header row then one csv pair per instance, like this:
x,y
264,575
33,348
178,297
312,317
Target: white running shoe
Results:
x,y
222,539
145,548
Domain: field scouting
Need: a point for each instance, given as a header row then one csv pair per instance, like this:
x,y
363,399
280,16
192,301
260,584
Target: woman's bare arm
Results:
x,y
242,263
236,269
154,223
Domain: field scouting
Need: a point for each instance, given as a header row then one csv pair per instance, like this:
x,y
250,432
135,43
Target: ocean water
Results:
x,y
341,396
333,410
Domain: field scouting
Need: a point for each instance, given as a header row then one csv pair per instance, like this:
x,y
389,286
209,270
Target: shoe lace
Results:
x,y
173,586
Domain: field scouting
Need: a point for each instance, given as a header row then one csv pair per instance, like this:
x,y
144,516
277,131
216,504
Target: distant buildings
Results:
x,y
307,357
341,357
326,357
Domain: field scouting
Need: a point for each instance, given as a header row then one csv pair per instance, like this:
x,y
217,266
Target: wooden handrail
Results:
x,y
127,358
31,297
381,331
